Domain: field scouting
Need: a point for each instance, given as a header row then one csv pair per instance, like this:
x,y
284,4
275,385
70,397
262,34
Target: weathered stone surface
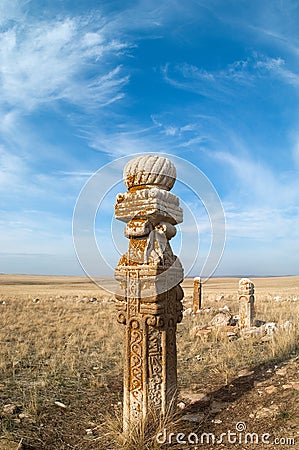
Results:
x,y
195,397
217,421
221,319
295,385
155,204
11,409
245,373
181,405
270,328
246,301
224,309
147,170
203,332
149,296
246,286
194,418
266,412
271,389
197,294
282,371
199,330
252,331
60,404
188,312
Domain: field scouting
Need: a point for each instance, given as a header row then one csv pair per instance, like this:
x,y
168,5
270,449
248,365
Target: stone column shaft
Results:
x,y
246,302
149,292
197,286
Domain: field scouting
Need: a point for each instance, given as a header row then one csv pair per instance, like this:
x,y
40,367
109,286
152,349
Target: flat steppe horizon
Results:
x,y
284,285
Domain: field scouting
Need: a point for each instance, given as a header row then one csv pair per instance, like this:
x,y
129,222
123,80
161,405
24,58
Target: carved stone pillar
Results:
x,y
246,302
196,294
149,277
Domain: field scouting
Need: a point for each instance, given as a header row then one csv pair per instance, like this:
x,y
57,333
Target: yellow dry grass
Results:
x,y
64,348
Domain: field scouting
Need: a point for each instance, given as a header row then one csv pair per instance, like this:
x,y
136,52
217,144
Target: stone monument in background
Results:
x,y
149,297
197,292
246,302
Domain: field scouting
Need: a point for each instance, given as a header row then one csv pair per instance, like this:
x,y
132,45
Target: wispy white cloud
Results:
x,y
171,127
45,63
265,206
195,141
259,183
12,170
76,174
278,68
120,144
162,137
256,223
295,149
285,42
28,231
10,10
231,80
61,59
274,23
151,16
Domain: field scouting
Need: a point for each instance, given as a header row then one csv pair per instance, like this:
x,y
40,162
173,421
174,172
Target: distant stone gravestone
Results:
x,y
197,293
246,303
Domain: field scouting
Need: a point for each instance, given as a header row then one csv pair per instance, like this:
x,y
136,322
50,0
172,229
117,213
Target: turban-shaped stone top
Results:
x,y
150,170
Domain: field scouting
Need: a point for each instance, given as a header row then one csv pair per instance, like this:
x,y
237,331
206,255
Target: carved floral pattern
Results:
x,y
150,296
136,369
155,367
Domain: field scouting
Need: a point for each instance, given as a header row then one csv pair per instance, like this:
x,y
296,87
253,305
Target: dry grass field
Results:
x,y
61,366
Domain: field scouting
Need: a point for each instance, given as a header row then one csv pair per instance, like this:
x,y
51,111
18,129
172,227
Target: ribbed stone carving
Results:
x,y
150,170
149,298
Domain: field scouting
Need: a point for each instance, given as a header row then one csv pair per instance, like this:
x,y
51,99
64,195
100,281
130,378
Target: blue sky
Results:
x,y
83,83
